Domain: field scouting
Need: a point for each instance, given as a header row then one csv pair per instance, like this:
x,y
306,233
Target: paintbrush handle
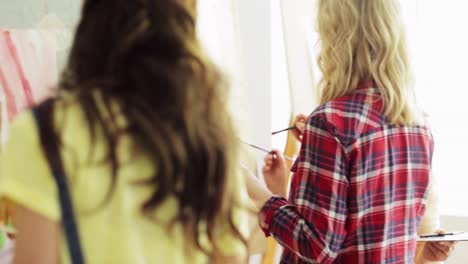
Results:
x,y
266,151
283,130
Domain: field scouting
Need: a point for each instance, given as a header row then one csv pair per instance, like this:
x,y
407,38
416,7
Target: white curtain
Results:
x,y
224,37
219,32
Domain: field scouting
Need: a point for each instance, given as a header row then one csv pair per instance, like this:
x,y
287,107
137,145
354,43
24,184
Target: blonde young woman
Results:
x,y
360,183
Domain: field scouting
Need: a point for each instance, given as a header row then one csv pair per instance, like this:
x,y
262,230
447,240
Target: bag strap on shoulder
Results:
x,y
43,115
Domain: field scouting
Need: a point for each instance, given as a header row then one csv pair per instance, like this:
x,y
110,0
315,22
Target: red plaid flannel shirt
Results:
x,y
359,187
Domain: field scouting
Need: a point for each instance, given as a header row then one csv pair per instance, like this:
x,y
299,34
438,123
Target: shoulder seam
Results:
x,y
331,128
375,129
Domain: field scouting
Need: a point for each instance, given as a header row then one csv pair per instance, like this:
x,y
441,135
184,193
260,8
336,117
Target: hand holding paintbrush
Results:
x,y
298,127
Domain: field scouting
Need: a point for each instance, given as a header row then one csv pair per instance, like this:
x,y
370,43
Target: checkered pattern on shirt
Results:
x,y
358,190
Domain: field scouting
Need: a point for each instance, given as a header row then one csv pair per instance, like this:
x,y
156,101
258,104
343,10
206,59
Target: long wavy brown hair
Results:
x,y
145,55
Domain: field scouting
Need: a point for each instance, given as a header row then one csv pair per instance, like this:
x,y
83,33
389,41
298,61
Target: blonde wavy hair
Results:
x,y
365,40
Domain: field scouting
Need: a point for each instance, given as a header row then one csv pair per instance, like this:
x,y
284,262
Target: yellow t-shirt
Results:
x,y
117,232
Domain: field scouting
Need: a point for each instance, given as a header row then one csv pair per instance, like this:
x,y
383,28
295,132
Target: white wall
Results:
x,y
460,255
441,71
439,56
27,14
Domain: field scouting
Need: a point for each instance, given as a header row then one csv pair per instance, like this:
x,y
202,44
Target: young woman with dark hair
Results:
x,y
148,147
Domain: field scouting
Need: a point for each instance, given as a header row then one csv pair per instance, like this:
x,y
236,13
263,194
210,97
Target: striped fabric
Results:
x,y
359,187
28,72
28,68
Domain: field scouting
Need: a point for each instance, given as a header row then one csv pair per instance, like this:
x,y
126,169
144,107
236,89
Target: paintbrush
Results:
x,y
286,129
265,150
